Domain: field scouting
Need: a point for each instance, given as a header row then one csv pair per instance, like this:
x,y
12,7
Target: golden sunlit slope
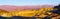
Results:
x,y
42,12
27,13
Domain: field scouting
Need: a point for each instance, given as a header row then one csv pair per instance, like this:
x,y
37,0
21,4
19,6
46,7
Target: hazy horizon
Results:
x,y
29,2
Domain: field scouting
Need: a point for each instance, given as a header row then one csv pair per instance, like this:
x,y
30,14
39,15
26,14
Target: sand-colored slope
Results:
x,y
24,11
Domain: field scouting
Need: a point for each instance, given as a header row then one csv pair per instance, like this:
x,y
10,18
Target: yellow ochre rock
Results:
x,y
25,13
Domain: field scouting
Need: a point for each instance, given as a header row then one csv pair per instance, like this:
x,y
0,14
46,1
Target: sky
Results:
x,y
28,2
